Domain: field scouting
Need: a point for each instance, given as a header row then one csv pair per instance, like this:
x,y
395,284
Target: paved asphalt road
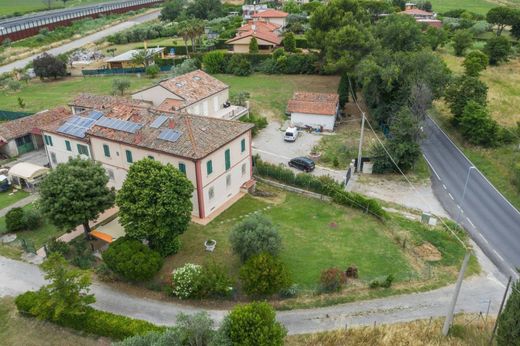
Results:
x,y
478,293
83,41
493,223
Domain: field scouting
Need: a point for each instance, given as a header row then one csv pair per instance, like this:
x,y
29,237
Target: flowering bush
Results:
x,y
332,279
185,279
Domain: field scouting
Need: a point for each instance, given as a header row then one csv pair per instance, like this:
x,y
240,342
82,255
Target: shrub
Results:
x,y
120,85
254,235
213,62
131,259
186,66
104,273
253,46
167,246
239,66
498,49
332,279
462,40
57,246
477,126
14,220
46,66
91,321
252,324
289,42
264,275
213,281
152,70
259,121
386,283
32,219
185,280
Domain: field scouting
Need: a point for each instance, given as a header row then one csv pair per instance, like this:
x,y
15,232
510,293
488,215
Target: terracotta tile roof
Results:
x,y
266,36
270,13
91,101
32,123
169,105
199,136
313,103
260,26
193,86
417,12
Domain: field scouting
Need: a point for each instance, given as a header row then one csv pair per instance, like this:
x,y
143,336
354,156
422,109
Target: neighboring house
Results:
x,y
421,16
214,154
86,101
195,93
316,110
125,60
272,16
23,135
267,36
249,10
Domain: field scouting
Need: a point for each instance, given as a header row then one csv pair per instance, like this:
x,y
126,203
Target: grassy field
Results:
x,y
9,7
8,197
317,235
40,95
18,330
270,93
468,330
504,101
477,6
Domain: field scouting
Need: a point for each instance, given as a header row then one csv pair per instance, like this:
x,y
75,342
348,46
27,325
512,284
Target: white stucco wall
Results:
x,y
210,105
59,149
314,120
10,149
277,21
156,95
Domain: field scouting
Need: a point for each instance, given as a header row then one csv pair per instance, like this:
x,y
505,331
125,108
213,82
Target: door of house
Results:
x,y
24,144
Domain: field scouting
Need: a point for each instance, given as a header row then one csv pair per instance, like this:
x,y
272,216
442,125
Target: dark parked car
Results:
x,y
302,163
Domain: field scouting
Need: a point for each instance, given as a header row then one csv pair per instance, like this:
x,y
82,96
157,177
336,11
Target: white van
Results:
x,y
290,134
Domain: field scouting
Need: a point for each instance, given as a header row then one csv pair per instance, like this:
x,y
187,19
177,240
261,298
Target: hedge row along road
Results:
x,y
477,292
83,41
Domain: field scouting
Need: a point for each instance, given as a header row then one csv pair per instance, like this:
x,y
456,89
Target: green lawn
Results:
x,y
477,6
40,95
8,197
8,7
318,235
19,330
270,93
39,236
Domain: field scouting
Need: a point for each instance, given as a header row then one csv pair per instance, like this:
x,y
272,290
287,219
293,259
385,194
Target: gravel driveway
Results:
x,y
271,147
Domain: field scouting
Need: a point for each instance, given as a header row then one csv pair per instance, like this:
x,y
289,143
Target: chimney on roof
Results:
x,y
171,123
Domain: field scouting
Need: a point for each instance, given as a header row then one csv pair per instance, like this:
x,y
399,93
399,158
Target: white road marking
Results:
x,y
467,218
444,186
433,169
451,196
496,253
481,236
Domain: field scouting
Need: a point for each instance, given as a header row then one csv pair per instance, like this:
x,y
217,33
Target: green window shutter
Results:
x,y
228,159
67,145
209,167
243,145
45,140
182,168
50,140
129,156
82,150
106,149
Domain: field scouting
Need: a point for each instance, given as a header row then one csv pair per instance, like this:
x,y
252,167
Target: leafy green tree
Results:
x,y
153,70
46,66
214,62
253,46
252,324
462,90
264,275
435,37
254,235
475,62
477,126
399,33
205,9
462,40
131,259
343,90
171,10
515,30
239,65
74,193
155,203
291,7
67,292
119,85
14,220
498,49
186,66
143,57
502,16
289,42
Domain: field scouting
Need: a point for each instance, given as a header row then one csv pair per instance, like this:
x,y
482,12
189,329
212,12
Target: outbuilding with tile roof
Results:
x,y
316,110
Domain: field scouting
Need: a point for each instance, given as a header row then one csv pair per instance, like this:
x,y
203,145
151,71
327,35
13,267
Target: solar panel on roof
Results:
x,y
120,125
158,121
169,135
76,126
95,115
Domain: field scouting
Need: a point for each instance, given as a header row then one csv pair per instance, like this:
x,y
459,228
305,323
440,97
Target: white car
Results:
x,y
290,134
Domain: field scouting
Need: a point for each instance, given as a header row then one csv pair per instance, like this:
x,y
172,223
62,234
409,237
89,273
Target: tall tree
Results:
x,y
155,203
475,62
498,49
205,9
143,57
477,126
462,40
462,90
171,10
508,333
253,46
46,66
399,33
66,294
503,16
74,193
289,42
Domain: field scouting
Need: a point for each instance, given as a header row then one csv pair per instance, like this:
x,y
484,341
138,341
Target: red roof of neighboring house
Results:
x,y
32,123
432,22
266,36
270,13
259,26
313,103
171,105
417,12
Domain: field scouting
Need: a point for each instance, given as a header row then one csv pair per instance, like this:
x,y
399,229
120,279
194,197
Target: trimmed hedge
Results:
x,y
93,321
323,185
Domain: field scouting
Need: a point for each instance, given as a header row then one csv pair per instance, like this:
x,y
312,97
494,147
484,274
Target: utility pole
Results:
x,y
499,312
451,308
360,149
